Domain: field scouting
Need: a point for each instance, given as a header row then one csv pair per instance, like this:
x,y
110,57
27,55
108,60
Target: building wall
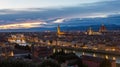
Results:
x,y
113,64
96,64
42,51
91,63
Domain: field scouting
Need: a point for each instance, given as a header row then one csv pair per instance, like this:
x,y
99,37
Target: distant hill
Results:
x,y
64,28
77,24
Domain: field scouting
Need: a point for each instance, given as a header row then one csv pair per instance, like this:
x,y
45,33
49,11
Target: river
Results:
x,y
80,53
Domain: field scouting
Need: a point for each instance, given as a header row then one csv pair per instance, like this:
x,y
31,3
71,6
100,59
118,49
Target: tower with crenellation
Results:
x,y
59,32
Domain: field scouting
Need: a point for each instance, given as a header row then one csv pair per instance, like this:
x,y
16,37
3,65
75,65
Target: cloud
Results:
x,y
59,20
22,25
43,3
92,10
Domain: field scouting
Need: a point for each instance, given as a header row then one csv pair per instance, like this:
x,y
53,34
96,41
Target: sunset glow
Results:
x,y
21,25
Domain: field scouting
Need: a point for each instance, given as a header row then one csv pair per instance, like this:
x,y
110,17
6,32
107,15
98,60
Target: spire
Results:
x,y
58,29
90,31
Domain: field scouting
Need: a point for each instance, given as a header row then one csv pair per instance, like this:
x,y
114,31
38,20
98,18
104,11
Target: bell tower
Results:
x,y
58,29
59,32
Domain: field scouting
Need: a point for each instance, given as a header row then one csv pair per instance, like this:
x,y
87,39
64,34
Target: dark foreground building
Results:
x,y
97,62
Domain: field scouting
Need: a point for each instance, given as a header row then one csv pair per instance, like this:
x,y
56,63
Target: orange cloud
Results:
x,y
22,25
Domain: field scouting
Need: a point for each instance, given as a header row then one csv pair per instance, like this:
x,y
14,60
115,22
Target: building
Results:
x,y
41,51
102,28
96,61
7,51
91,32
59,32
18,38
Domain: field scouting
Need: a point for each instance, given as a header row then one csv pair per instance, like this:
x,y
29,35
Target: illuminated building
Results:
x,y
59,32
91,32
7,51
102,28
11,53
18,38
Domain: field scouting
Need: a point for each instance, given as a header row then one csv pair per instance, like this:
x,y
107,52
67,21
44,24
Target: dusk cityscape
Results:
x,y
60,33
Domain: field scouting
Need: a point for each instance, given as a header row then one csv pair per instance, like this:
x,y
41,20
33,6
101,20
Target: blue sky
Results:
x,y
10,4
38,13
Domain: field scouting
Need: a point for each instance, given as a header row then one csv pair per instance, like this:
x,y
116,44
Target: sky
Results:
x,y
17,14
10,4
